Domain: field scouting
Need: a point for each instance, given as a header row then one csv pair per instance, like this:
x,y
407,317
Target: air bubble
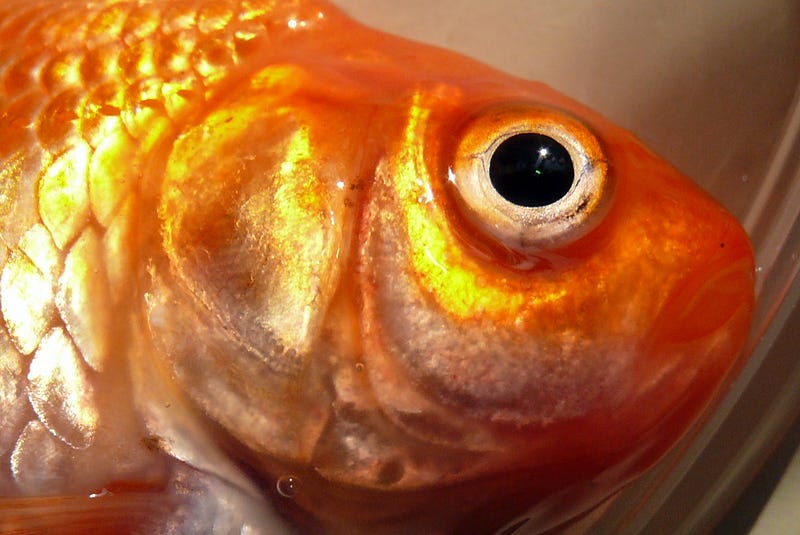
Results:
x,y
359,366
287,486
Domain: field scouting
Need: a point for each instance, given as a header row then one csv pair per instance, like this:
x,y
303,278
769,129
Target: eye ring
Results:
x,y
548,216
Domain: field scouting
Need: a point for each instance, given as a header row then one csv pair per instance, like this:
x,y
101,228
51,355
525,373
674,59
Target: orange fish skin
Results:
x,y
241,256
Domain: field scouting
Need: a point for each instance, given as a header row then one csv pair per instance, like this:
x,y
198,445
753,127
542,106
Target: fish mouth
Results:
x,y
695,344
706,301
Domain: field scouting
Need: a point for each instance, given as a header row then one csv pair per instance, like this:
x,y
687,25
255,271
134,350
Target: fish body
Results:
x,y
262,266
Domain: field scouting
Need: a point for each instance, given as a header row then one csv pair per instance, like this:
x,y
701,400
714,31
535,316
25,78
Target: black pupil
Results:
x,y
531,170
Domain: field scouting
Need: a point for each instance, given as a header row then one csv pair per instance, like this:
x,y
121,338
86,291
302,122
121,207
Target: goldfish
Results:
x,y
266,270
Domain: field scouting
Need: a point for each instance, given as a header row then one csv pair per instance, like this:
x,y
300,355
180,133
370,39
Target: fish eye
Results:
x,y
532,178
531,170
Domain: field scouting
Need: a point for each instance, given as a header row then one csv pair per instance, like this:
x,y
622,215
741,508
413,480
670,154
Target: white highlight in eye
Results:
x,y
543,152
292,23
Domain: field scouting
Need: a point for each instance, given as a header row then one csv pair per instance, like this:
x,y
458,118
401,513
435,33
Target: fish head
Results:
x,y
393,269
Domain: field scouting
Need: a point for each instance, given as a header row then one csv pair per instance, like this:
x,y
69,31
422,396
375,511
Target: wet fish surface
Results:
x,y
265,270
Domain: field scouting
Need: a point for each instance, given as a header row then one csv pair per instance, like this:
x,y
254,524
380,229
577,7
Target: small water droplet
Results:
x,y
103,493
359,366
287,486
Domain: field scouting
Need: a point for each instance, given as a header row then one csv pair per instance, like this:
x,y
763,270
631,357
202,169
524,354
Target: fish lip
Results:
x,y
714,293
695,342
